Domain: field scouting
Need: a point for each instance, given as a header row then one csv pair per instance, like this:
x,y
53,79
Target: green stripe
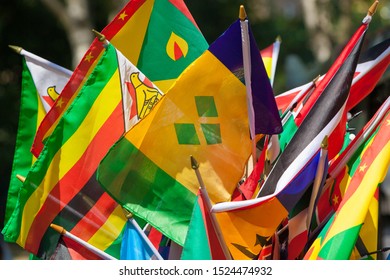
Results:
x,y
289,129
28,118
154,61
66,127
341,245
196,246
147,191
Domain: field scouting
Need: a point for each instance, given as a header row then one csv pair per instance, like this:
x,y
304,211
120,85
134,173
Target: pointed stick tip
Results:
x,y
16,49
278,38
58,228
21,178
194,163
127,213
324,144
242,14
316,79
373,8
99,35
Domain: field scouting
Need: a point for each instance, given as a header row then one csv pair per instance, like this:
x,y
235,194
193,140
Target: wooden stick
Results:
x,y
195,166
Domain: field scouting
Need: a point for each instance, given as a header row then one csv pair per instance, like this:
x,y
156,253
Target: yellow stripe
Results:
x,y
268,65
72,150
344,220
109,231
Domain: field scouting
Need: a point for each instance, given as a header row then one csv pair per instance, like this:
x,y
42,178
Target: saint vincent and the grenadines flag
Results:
x,y
61,187
41,80
203,115
369,166
160,37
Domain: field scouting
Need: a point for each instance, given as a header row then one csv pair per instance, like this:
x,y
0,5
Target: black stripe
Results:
x,y
375,51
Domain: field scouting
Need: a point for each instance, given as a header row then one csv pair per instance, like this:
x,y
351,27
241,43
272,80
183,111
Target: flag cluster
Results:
x,y
170,148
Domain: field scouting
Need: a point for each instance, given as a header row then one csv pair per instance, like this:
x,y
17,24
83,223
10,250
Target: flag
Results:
x,y
209,122
372,64
369,167
202,241
270,58
68,249
61,187
160,37
41,79
133,246
249,224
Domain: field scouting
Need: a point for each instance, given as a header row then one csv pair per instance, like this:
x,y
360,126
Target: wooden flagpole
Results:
x,y
317,181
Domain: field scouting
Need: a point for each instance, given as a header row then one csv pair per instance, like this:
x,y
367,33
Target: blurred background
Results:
x,y
313,33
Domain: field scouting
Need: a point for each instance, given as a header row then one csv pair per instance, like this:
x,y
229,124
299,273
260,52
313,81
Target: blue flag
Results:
x,y
133,245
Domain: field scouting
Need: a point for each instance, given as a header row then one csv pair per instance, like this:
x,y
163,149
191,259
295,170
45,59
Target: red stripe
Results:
x,y
282,101
68,186
95,218
78,252
267,52
214,244
364,86
296,245
116,25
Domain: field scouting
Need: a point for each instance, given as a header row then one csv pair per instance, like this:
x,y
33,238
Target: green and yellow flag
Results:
x,y
368,169
41,82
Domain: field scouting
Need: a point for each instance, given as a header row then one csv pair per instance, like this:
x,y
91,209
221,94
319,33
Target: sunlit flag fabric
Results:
x,y
295,169
202,241
204,115
370,165
61,187
41,80
160,37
